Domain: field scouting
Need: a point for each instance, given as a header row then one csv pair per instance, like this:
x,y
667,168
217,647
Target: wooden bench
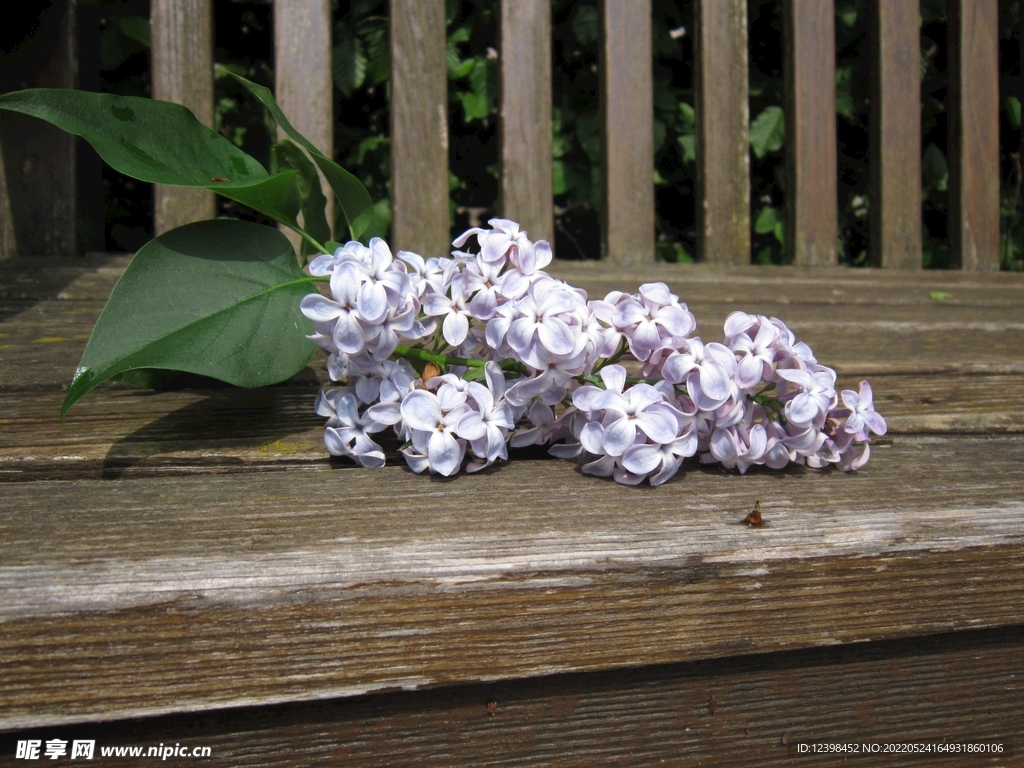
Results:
x,y
195,559
191,567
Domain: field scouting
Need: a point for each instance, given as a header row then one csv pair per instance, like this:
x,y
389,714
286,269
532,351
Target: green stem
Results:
x,y
623,348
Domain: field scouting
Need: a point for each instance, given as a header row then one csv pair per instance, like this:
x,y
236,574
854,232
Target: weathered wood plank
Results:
x,y
895,143
723,142
38,190
93,277
135,433
952,687
627,118
302,81
527,190
41,343
419,127
974,134
811,192
185,594
182,72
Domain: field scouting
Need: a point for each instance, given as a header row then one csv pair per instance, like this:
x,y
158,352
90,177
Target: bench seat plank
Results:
x,y
935,688
125,597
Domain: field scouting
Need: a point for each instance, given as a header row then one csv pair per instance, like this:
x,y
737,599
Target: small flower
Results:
x,y
862,412
434,431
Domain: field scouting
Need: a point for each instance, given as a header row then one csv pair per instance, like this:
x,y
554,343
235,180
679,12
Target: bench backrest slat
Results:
x,y
895,143
811,191
723,152
627,118
302,75
974,134
525,103
182,64
419,127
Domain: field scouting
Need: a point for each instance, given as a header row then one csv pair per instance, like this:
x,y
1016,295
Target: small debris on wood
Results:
x,y
492,707
754,519
712,705
785,738
746,731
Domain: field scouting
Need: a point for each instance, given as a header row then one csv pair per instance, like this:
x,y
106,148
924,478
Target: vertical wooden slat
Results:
x,y
811,204
39,159
302,80
182,71
525,59
419,127
8,238
895,142
627,112
974,134
723,142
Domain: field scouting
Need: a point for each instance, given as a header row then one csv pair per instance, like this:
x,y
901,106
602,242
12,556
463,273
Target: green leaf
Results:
x,y
588,132
348,65
354,203
216,298
136,28
688,116
844,97
457,68
660,132
558,177
940,295
381,221
374,34
277,196
586,25
475,103
934,170
149,140
766,220
1013,111
314,218
768,131
846,10
688,145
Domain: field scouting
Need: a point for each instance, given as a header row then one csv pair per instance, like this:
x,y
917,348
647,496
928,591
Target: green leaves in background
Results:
x,y
934,170
771,220
768,131
217,298
687,132
354,202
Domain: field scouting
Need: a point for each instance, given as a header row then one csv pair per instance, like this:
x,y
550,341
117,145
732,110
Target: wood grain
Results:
x,y
627,118
974,134
419,127
723,141
811,202
527,190
895,141
132,433
184,594
963,686
182,72
303,83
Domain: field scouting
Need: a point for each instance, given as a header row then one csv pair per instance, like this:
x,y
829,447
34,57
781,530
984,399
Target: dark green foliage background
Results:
x,y
244,45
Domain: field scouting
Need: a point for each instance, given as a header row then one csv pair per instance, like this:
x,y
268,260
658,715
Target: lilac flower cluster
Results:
x,y
464,356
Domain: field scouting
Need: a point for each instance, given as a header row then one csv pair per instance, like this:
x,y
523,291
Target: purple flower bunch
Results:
x,y
465,355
